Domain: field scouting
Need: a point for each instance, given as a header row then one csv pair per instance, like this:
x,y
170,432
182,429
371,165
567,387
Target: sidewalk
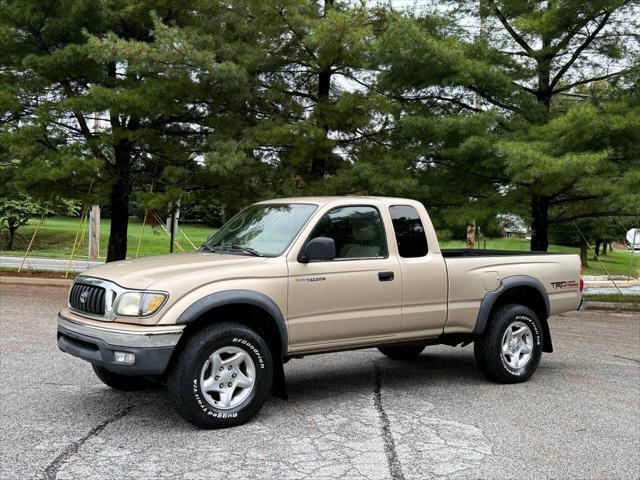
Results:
x,y
47,264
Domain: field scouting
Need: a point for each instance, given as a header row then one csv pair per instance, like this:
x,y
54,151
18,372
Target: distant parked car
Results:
x,y
633,239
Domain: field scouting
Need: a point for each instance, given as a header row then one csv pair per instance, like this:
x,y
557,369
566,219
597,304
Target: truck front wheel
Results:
x,y
222,376
510,348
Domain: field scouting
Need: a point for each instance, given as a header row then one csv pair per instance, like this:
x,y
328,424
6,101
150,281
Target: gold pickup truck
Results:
x,y
298,276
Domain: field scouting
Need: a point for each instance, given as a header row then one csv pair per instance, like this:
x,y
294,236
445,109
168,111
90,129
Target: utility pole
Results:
x,y
94,232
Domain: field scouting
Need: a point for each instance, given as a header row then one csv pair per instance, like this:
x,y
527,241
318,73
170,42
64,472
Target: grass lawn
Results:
x,y
616,298
56,235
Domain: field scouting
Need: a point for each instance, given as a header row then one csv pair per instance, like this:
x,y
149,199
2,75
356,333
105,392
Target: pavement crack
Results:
x,y
627,358
51,472
395,467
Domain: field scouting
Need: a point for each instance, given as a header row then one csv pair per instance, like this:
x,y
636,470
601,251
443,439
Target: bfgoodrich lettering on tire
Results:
x,y
510,348
222,376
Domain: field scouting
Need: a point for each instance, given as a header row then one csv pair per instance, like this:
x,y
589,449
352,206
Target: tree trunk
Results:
x,y
539,223
540,204
120,191
596,252
11,236
604,248
584,253
319,161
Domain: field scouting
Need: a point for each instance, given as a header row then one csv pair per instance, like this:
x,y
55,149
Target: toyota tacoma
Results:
x,y
299,276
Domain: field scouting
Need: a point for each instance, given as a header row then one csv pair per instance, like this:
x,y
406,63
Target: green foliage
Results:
x,y
15,212
534,111
555,76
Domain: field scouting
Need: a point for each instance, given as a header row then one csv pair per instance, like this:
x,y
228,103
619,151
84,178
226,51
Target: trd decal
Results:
x,y
311,279
565,284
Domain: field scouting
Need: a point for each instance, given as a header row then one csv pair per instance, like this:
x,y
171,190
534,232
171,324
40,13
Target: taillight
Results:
x,y
581,280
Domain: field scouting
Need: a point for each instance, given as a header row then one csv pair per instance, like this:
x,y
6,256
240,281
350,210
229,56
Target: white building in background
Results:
x,y
513,226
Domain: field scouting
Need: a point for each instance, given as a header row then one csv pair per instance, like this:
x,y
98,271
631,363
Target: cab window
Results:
x,y
410,235
357,232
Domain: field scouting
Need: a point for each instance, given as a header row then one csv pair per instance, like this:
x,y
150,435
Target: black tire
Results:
x,y
405,352
488,346
183,381
124,383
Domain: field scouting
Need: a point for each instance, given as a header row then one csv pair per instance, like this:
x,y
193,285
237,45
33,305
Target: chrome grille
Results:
x,y
87,298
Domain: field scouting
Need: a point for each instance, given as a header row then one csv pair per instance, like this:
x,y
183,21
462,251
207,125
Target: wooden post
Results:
x,y
633,250
94,233
172,223
471,234
172,231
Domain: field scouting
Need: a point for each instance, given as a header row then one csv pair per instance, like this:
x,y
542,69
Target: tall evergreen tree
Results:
x,y
560,46
101,92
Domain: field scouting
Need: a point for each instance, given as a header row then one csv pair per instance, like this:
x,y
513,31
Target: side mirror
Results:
x,y
319,248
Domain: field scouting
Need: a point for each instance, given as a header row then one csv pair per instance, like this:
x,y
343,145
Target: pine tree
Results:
x,y
540,66
106,93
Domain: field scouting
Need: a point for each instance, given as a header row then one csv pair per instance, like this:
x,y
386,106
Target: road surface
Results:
x,y
350,415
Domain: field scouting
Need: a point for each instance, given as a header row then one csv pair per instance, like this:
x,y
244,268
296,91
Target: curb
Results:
x,y
613,306
50,282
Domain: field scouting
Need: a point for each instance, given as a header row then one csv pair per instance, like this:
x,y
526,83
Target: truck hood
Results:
x,y
141,273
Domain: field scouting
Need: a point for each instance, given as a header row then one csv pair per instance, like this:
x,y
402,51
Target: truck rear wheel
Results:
x,y
125,383
510,348
222,376
406,352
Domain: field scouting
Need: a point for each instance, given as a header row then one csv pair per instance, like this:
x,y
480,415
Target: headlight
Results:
x,y
135,304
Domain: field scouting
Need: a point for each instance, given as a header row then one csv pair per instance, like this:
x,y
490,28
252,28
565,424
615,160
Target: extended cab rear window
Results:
x,y
410,235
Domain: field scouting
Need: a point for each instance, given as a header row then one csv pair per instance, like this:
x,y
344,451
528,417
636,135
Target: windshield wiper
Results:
x,y
229,249
249,250
209,248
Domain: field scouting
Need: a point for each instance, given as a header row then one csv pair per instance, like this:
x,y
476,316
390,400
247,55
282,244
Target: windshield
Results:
x,y
265,230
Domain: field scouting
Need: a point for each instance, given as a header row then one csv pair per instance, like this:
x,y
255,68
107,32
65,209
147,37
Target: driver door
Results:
x,y
355,298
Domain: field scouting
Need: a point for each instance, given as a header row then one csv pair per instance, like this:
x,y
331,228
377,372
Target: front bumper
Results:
x,y
152,346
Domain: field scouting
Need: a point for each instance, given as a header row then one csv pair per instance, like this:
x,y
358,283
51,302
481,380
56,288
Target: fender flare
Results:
x,y
230,297
506,284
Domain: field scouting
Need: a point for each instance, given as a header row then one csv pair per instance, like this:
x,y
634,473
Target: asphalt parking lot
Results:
x,y
350,415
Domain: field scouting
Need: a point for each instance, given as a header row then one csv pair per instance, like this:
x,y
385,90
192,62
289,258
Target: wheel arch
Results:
x,y
521,289
246,307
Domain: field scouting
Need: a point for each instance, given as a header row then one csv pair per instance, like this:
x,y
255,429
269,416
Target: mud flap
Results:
x,y
279,382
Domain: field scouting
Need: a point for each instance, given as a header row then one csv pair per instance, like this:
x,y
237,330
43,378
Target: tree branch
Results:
x,y
498,103
587,80
592,36
515,35
593,215
572,199
451,100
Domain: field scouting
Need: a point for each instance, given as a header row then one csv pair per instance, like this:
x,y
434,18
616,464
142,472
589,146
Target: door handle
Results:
x,y
385,276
